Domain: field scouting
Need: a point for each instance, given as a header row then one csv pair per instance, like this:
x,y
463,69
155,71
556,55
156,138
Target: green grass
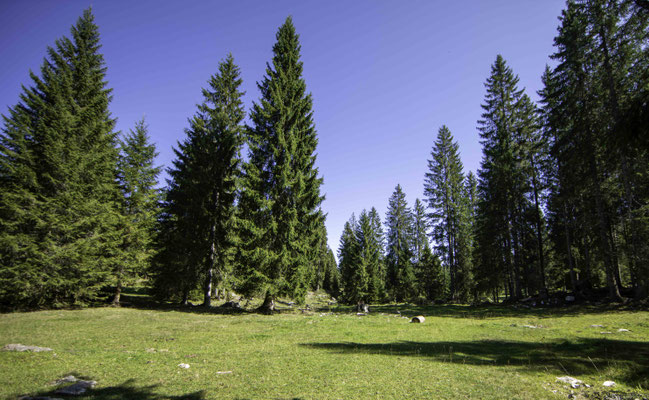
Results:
x,y
459,352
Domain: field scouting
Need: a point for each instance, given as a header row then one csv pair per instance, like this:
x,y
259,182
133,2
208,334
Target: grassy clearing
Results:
x,y
459,352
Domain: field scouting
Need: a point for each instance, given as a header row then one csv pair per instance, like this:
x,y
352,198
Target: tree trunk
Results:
x,y
268,307
539,231
207,297
571,266
118,292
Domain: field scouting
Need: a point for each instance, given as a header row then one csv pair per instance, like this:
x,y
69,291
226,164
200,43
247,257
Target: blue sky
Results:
x,y
385,75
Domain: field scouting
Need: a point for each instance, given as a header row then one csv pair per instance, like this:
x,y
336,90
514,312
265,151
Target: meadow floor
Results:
x,y
459,352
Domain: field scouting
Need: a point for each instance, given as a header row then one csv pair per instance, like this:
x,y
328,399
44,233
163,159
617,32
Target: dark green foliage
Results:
x,y
197,231
281,197
598,197
507,215
400,277
446,198
58,207
353,274
137,177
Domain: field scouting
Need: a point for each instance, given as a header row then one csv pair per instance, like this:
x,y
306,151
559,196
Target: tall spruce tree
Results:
x,y
58,206
280,202
443,189
400,281
199,240
505,211
353,274
140,199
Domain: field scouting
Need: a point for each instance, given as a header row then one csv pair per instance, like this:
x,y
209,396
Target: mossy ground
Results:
x,y
459,352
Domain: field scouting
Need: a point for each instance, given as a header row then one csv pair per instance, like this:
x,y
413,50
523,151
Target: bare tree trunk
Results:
x,y
573,277
539,228
118,291
268,307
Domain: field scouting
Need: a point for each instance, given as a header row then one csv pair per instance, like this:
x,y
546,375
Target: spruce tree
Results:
x,y
199,238
59,202
443,188
353,274
140,199
281,196
400,274
505,218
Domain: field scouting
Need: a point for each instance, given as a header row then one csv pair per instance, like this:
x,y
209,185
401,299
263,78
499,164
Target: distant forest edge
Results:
x,y
560,202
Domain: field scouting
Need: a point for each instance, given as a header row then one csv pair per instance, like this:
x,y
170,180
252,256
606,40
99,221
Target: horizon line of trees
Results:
x,y
560,201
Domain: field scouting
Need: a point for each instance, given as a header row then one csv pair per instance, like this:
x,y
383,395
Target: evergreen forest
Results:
x,y
558,209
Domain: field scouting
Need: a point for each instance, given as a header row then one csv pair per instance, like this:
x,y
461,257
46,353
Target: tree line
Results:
x,y
81,215
560,201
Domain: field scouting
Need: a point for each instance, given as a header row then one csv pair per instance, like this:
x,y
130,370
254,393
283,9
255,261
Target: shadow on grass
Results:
x,y
630,360
127,390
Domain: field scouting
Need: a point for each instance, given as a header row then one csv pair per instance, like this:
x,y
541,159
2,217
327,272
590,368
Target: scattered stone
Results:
x,y
65,379
80,387
597,326
570,299
623,330
231,304
360,314
530,326
183,365
608,383
418,319
606,333
164,350
22,347
223,372
150,350
362,308
573,382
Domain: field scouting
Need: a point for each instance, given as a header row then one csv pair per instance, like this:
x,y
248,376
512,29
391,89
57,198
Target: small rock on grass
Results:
x,y
418,319
623,330
80,387
608,383
65,379
22,347
573,382
183,365
597,326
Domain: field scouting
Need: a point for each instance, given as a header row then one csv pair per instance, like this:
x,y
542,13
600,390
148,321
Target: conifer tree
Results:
x,y
505,212
199,240
400,274
354,277
443,188
280,202
58,164
137,178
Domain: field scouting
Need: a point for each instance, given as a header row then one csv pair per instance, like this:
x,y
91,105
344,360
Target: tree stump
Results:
x,y
418,319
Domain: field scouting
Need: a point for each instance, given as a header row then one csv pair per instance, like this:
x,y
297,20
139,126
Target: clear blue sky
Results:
x,y
385,75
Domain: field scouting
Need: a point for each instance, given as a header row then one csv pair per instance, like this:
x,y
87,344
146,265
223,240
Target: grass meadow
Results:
x,y
460,352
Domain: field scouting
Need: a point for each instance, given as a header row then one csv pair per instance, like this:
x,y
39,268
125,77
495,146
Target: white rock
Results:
x,y
597,326
608,383
530,326
418,319
573,382
183,365
22,347
622,330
